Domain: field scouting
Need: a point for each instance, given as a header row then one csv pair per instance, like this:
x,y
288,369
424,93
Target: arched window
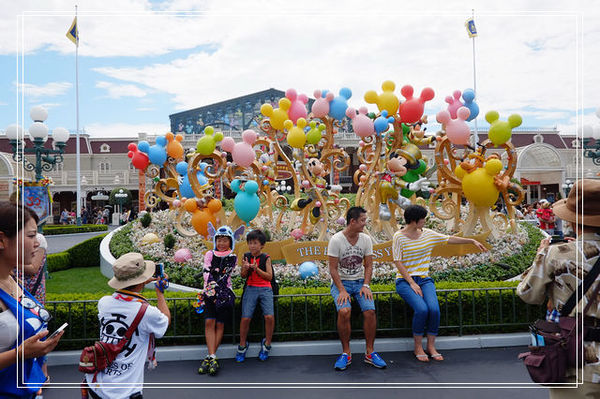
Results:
x,y
104,148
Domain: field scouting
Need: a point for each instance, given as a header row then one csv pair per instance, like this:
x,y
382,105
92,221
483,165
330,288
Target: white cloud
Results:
x,y
33,92
49,106
125,129
121,90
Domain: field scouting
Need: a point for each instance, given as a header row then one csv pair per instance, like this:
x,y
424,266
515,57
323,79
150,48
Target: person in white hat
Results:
x,y
116,312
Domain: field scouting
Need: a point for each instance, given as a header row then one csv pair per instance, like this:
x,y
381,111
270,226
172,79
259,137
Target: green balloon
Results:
x,y
313,136
206,145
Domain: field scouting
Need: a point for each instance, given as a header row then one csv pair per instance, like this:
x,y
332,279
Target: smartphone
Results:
x,y
159,271
556,239
55,333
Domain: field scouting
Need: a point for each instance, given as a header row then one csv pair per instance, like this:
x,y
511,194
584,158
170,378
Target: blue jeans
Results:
x,y
353,289
427,308
252,295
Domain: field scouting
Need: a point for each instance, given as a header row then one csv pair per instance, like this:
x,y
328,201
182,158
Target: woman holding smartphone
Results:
x,y
20,336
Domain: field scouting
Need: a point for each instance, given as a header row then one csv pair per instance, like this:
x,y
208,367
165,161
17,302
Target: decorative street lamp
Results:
x,y
592,133
45,158
121,196
567,186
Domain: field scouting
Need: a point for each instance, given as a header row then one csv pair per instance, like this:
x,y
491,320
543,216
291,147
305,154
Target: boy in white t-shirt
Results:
x,y
116,313
350,254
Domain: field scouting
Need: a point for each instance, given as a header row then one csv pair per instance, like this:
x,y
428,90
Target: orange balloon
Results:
x,y
174,148
214,205
200,221
190,205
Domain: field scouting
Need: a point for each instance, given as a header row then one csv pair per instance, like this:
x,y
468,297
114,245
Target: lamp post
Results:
x,y
591,141
45,158
121,196
567,186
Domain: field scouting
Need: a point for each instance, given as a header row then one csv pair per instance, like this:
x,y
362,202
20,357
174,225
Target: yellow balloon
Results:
x,y
150,238
459,172
493,166
385,101
478,187
296,137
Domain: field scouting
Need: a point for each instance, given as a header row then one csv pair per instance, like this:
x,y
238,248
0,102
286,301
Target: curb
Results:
x,y
313,348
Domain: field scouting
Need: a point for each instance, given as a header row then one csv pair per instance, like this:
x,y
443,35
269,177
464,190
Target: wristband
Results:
x,y
367,285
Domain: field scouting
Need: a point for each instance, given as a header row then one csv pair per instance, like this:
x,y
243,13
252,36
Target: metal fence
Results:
x,y
313,316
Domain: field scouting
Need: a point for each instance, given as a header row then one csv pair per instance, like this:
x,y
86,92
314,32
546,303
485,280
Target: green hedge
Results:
x,y
120,243
84,254
298,318
50,230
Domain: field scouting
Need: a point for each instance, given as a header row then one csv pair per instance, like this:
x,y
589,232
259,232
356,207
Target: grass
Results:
x,y
78,280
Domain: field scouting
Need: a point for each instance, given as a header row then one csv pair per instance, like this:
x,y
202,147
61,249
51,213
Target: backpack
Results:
x,y
99,356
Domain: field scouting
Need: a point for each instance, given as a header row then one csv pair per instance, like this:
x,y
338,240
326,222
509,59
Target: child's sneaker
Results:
x,y
264,350
213,366
343,361
240,356
204,365
375,360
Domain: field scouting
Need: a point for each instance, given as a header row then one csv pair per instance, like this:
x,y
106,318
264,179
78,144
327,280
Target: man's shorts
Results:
x,y
353,288
253,295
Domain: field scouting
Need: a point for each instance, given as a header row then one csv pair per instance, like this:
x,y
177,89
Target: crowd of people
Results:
x,y
96,215
350,261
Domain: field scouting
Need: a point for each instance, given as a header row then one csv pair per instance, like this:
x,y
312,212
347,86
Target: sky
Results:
x,y
140,61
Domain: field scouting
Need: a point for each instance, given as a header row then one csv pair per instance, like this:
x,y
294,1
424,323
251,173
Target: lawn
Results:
x,y
78,280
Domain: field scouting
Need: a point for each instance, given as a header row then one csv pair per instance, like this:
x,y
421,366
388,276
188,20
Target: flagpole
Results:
x,y
78,164
475,137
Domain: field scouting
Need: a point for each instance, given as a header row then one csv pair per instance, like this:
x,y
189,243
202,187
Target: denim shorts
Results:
x,y
253,295
353,288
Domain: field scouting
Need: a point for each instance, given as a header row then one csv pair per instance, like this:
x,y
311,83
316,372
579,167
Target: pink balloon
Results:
x,y
227,144
361,123
182,255
243,154
454,103
176,203
297,234
298,108
305,183
457,130
320,107
318,204
249,136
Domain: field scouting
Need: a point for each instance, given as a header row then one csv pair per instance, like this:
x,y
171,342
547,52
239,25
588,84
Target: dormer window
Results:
x,y
104,148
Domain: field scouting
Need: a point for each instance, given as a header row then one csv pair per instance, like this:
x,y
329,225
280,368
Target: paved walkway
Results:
x,y
61,242
314,377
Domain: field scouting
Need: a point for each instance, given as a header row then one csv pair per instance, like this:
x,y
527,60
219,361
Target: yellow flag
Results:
x,y
73,32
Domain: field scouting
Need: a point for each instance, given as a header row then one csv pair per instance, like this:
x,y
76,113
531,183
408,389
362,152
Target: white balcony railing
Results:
x,y
93,177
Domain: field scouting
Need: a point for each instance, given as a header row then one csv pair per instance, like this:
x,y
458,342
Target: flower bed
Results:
x,y
510,254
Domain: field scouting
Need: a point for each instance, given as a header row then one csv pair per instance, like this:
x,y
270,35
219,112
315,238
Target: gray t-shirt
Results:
x,y
351,257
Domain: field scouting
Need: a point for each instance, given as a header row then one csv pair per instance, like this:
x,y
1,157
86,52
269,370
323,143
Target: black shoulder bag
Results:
x,y
562,341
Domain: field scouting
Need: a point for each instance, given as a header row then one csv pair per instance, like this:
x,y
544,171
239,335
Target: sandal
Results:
x,y
422,358
437,357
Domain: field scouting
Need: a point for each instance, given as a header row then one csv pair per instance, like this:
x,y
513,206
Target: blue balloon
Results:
x,y
337,107
469,102
381,124
158,152
308,269
246,202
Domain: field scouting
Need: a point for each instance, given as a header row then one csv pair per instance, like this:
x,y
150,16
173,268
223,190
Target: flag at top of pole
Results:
x,y
471,29
73,32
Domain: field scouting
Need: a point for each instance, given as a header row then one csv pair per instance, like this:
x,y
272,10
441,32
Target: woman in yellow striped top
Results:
x,y
412,247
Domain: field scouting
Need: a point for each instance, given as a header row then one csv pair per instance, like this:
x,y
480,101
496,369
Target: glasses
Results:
x,y
36,309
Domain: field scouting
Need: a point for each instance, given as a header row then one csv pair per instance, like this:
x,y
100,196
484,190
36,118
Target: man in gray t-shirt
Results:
x,y
350,254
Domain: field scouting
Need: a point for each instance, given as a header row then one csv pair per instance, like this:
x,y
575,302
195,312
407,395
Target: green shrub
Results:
x,y
169,241
120,243
72,229
146,220
59,261
86,253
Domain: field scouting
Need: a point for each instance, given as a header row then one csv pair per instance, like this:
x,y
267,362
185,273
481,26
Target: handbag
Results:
x,y
559,344
99,356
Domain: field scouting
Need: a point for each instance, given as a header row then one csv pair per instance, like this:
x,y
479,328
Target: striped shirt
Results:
x,y
416,254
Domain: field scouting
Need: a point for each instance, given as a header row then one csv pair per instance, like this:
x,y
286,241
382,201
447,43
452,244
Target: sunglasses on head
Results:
x,y
36,309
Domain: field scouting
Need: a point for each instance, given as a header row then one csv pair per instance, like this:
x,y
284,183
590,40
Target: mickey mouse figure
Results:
x,y
391,183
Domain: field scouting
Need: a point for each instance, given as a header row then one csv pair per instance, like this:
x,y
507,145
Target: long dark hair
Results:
x,y
8,218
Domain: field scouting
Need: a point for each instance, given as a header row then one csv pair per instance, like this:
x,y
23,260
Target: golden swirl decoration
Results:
x,y
151,200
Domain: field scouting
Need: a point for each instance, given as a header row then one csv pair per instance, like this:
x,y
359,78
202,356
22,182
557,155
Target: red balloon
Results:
x,y
138,158
412,109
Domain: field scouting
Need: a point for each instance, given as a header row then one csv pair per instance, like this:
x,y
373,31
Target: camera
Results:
x,y
159,271
557,238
